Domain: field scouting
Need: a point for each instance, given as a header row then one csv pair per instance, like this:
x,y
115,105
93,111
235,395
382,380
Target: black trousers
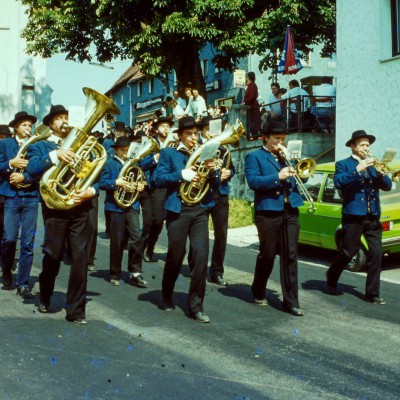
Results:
x,y
93,229
2,201
152,202
278,233
219,215
59,226
353,227
192,222
120,223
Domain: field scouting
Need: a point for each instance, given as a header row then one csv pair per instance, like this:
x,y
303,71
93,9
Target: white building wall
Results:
x,y
22,78
368,79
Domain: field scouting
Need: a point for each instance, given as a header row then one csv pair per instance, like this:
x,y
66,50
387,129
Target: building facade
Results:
x,y
368,71
23,83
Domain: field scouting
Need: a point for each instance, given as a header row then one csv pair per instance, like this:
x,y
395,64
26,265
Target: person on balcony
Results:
x,y
325,98
250,99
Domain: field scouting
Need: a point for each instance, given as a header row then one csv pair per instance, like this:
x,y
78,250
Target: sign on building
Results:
x,y
239,78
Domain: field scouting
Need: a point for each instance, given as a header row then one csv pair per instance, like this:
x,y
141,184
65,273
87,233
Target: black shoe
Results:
x,y
201,317
80,321
376,300
149,257
219,280
333,291
43,306
7,280
167,306
296,311
138,281
25,292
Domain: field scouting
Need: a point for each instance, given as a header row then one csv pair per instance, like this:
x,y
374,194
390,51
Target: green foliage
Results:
x,y
167,34
240,214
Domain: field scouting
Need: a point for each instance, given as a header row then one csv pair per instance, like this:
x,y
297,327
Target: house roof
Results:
x,y
131,73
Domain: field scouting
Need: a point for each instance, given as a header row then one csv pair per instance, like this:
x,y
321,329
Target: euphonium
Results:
x,y
62,181
133,174
193,192
42,132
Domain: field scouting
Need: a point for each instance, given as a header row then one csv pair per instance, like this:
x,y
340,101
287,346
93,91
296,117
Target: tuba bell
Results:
x,y
194,192
60,182
42,132
133,174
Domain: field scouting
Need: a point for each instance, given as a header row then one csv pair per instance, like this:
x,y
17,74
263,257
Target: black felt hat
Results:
x,y
360,134
54,110
205,121
163,120
139,134
5,130
22,116
187,123
120,125
121,141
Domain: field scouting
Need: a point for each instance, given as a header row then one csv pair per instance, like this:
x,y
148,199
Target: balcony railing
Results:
x,y
298,114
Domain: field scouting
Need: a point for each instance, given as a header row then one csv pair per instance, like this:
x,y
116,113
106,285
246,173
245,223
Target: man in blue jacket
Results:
x,y
276,198
122,220
360,182
185,220
21,205
61,225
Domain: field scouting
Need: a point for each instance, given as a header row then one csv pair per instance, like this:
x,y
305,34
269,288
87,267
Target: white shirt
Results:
x,y
196,108
273,104
325,90
297,91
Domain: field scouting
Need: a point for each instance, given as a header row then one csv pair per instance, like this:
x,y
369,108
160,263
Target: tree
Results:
x,y
165,35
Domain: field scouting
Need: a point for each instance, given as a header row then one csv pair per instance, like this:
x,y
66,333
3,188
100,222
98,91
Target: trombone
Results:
x,y
302,170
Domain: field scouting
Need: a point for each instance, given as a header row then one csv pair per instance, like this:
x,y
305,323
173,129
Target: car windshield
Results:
x,y
391,197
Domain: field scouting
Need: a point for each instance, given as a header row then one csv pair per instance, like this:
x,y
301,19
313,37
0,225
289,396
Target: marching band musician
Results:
x,y
122,219
360,182
185,220
21,205
152,199
62,224
219,211
276,198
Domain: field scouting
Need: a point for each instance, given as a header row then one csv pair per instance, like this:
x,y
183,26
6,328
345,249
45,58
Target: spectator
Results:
x,y
294,91
197,106
250,99
179,100
210,111
177,110
325,98
273,107
188,93
168,108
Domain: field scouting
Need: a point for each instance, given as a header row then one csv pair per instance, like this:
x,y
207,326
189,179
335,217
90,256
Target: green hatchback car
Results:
x,y
322,227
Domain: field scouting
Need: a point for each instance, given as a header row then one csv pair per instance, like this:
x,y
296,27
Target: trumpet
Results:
x,y
382,167
302,170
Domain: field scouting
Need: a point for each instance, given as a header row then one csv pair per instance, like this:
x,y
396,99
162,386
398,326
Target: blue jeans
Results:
x,y
19,212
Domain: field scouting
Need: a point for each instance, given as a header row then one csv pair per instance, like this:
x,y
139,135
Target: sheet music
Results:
x,y
294,148
76,116
209,151
390,154
133,150
215,127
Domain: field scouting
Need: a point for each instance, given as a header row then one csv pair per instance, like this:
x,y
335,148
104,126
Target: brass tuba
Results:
x,y
133,174
42,132
193,192
61,181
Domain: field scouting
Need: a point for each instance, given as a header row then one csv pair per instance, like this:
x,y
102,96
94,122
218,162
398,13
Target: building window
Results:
x,y
139,88
122,99
204,67
305,61
151,85
217,70
395,11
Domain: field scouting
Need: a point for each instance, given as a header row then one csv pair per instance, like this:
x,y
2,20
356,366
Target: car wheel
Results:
x,y
359,261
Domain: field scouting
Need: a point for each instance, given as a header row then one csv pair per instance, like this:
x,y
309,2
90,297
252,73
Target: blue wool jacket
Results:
x,y
108,177
357,188
8,150
262,171
168,174
107,145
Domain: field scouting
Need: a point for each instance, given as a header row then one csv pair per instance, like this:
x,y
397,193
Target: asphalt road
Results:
x,y
343,348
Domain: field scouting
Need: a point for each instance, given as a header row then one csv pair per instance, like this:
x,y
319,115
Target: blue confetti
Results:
x,y
117,391
130,347
53,361
296,332
259,352
362,397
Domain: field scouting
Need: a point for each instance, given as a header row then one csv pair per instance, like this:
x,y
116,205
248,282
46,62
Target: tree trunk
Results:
x,y
188,69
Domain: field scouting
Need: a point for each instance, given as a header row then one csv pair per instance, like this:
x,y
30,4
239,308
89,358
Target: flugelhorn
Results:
x,y
382,167
60,182
302,170
133,174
